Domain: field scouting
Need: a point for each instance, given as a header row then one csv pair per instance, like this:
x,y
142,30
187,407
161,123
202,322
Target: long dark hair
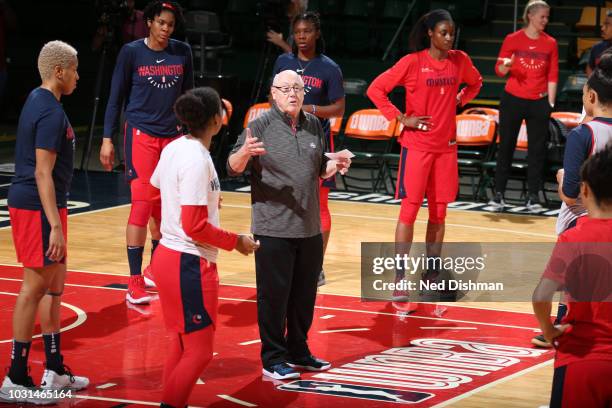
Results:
x,y
419,37
310,17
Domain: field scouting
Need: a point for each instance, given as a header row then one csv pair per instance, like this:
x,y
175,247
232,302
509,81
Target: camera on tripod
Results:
x,y
273,14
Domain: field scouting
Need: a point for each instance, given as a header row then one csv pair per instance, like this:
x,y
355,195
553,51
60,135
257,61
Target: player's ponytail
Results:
x,y
197,107
601,79
419,36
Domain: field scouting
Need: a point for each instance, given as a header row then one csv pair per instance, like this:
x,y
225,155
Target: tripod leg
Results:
x,y
92,124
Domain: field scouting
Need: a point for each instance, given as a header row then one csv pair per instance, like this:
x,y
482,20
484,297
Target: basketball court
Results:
x,y
464,354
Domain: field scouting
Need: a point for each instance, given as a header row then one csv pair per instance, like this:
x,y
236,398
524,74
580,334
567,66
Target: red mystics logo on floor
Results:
x,y
418,371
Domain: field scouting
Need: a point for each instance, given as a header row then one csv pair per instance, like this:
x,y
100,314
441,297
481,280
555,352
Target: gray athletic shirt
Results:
x,y
285,180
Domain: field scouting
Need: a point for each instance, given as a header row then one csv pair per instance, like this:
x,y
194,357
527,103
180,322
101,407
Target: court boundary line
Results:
x,y
532,329
454,304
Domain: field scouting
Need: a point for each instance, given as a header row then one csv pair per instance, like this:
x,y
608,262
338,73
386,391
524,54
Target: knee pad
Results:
x,y
437,212
140,213
408,212
56,294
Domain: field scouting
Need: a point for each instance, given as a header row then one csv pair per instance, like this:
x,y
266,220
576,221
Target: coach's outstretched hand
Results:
x,y
107,154
246,244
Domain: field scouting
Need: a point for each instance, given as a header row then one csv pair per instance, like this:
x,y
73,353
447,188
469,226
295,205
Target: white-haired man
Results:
x,y
37,202
284,149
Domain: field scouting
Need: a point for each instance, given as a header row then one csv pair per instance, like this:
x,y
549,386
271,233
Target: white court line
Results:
x,y
236,400
344,330
327,317
494,383
105,386
447,328
247,343
91,397
81,317
371,217
534,329
454,304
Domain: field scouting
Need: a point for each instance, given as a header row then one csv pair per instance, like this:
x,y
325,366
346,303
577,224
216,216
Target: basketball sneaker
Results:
x,y
67,380
309,363
148,278
497,202
533,204
540,341
20,393
136,292
321,280
280,371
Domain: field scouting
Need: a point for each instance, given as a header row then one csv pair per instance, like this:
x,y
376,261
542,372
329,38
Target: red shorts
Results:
x,y
582,384
31,231
188,288
424,173
142,154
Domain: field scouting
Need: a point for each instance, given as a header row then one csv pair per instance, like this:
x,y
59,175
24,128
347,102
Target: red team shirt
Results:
x,y
590,335
431,90
536,63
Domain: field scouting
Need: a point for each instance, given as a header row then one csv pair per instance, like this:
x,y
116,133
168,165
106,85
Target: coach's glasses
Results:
x,y
286,89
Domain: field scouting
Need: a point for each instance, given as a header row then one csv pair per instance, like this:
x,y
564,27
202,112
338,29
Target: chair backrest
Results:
x,y
369,124
227,111
200,21
335,124
255,111
521,142
569,119
492,112
475,130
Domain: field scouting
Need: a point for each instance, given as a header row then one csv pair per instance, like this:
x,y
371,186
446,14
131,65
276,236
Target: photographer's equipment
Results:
x,y
112,14
273,16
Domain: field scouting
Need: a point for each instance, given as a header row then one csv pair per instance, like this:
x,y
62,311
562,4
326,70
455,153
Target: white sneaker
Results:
x,y
54,381
16,393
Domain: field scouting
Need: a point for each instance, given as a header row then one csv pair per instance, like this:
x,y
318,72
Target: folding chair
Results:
x,y
369,136
476,136
255,111
569,119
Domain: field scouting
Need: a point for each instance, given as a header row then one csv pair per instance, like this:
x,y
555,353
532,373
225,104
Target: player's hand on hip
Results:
x,y
251,146
57,245
421,123
556,331
107,154
246,244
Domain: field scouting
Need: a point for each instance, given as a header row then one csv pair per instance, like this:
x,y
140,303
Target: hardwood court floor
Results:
x,y
96,243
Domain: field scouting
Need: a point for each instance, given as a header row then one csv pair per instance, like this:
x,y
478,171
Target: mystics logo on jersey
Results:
x,y
531,59
161,76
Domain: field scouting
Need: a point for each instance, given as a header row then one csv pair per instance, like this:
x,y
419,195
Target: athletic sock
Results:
x,y
134,254
18,372
52,352
154,244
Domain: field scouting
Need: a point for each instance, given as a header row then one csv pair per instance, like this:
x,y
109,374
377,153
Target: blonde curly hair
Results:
x,y
53,54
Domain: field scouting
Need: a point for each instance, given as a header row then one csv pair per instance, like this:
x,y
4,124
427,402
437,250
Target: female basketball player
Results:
x,y
431,76
184,264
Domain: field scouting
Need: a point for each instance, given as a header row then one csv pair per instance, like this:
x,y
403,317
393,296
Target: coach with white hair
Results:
x,y
284,151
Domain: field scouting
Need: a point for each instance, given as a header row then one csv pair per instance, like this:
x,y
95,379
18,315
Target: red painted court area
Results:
x,y
428,358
